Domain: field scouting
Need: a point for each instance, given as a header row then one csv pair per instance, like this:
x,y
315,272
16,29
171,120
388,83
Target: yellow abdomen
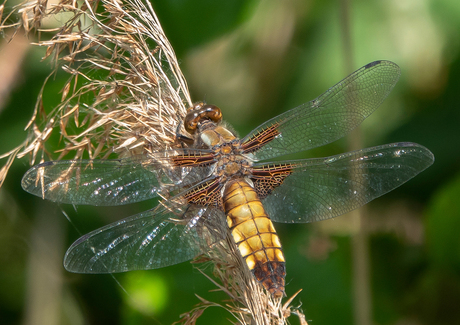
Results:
x,y
255,235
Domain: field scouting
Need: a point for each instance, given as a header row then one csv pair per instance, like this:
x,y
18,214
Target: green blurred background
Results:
x,y
256,59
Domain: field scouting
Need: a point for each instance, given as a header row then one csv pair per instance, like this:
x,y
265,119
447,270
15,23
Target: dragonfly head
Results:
x,y
199,113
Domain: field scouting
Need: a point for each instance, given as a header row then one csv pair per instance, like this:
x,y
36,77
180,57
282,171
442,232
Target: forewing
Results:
x,y
153,239
113,182
93,182
323,188
327,118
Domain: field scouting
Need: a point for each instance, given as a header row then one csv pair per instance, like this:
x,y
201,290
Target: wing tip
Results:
x,y
422,152
380,62
372,64
30,183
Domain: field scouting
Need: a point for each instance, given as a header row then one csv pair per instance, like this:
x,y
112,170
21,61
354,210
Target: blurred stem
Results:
x,y
346,35
44,289
11,58
362,300
361,276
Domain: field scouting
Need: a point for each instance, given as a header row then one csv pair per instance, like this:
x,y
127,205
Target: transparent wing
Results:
x,y
327,118
112,182
93,182
149,240
324,188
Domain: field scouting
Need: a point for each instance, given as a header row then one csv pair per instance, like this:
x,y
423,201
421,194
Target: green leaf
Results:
x,y
442,225
189,23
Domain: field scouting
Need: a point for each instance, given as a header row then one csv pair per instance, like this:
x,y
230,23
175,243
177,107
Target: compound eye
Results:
x,y
213,113
199,113
190,121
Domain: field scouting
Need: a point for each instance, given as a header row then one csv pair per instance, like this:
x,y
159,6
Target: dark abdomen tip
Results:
x,y
271,275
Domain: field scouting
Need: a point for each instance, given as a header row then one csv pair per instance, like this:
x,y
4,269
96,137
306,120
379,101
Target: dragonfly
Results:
x,y
217,184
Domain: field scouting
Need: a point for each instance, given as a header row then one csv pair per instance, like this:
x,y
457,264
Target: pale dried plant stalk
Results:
x,y
125,92
125,95
250,302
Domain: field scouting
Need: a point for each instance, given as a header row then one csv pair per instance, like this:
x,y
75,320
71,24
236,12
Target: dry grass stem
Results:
x,y
249,302
125,92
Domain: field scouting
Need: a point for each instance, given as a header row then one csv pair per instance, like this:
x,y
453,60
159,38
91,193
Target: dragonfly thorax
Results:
x,y
216,136
231,163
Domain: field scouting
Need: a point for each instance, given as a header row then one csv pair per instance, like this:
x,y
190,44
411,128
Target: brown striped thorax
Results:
x,y
213,184
204,121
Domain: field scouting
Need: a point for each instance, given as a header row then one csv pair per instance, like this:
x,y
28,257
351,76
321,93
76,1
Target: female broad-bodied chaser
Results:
x,y
216,183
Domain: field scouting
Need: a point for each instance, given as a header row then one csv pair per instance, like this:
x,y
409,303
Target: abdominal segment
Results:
x,y
255,235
